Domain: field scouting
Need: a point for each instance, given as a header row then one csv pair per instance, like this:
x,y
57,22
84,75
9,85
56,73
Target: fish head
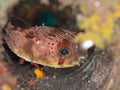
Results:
x,y
70,53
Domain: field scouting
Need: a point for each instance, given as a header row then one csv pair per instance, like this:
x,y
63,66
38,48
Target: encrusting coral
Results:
x,y
98,21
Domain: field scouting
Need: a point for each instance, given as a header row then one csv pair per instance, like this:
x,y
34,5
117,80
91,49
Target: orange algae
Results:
x,y
39,73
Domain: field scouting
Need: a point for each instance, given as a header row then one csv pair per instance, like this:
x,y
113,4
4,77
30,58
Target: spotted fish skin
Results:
x,y
53,47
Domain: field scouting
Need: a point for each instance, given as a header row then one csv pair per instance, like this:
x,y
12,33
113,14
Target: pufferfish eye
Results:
x,y
64,51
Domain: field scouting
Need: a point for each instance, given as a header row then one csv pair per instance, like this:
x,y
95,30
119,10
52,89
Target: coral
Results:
x,y
98,21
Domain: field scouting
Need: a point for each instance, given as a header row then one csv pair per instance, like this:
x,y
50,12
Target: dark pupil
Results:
x,y
64,52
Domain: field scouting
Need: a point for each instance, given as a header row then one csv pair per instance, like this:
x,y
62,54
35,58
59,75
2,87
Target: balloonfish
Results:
x,y
48,46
